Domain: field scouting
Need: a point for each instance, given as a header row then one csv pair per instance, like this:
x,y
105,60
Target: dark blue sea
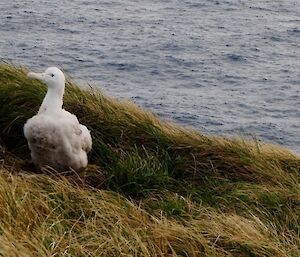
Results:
x,y
225,67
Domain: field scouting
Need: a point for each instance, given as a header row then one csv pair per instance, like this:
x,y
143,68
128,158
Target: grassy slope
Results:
x,y
152,189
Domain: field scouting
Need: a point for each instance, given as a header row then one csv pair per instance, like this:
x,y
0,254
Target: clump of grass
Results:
x,y
169,191
44,216
136,176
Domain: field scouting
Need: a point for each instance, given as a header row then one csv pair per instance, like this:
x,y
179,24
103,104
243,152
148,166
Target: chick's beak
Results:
x,y
39,76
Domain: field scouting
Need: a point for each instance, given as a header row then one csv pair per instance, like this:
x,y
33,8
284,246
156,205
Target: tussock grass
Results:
x,y
151,189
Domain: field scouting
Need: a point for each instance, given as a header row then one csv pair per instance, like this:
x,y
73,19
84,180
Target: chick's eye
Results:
x,y
52,75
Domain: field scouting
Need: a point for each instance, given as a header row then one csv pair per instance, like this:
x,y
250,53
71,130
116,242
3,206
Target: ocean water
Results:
x,y
223,67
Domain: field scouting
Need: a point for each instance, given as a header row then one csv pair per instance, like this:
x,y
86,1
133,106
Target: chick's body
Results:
x,y
55,136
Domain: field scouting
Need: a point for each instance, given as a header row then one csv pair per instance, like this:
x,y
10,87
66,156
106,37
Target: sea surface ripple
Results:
x,y
223,67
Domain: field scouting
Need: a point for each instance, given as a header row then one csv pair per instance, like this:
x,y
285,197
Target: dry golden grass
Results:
x,y
43,216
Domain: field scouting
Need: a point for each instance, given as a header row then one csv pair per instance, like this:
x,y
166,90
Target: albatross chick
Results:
x,y
54,135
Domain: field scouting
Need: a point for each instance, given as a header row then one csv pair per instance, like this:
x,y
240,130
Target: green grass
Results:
x,y
151,188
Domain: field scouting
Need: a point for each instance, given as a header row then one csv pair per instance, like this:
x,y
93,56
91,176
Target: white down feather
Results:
x,y
54,135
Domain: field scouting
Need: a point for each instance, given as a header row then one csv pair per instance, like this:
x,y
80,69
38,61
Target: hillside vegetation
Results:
x,y
151,188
